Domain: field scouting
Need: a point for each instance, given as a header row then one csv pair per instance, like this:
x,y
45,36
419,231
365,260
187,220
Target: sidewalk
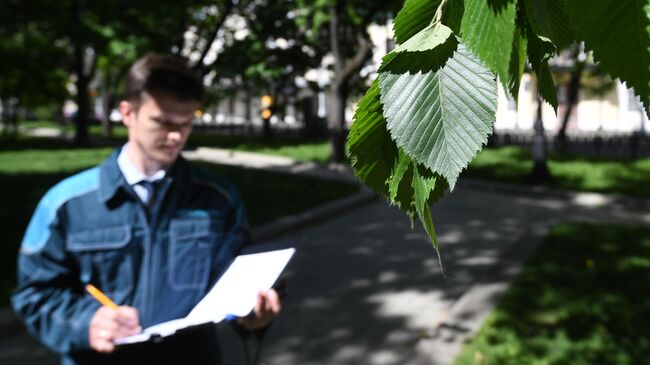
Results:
x,y
368,290
272,163
365,288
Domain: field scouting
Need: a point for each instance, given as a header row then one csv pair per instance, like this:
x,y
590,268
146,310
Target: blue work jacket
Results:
x,y
92,228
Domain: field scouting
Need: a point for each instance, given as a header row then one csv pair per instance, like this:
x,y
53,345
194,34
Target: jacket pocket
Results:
x,y
191,249
105,259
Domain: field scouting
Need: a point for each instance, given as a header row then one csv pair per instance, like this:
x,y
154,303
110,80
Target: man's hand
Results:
x,y
267,307
108,324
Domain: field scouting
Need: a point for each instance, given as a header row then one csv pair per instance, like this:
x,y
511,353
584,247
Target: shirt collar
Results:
x,y
131,173
112,177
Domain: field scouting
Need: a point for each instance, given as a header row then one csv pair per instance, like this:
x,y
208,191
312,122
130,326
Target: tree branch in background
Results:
x,y
199,66
573,92
360,57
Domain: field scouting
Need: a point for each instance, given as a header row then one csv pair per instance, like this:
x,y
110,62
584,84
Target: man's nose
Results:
x,y
174,136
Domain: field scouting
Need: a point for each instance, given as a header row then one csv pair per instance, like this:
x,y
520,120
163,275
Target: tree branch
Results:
x,y
355,63
334,38
180,40
93,67
345,71
199,66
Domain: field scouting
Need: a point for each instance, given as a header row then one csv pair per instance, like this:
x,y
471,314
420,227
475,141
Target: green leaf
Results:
x,y
453,15
549,19
426,39
372,152
414,16
540,51
375,157
423,185
389,171
442,118
488,29
517,63
426,51
617,33
400,184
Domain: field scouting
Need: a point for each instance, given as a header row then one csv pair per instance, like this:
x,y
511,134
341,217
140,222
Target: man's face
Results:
x,y
159,127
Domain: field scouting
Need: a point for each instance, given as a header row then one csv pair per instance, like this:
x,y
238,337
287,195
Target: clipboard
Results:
x,y
235,293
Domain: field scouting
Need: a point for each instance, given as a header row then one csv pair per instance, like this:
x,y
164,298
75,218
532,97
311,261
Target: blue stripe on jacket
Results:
x,y
38,230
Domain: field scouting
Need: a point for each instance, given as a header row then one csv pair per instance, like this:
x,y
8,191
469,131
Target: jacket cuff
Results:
x,y
81,327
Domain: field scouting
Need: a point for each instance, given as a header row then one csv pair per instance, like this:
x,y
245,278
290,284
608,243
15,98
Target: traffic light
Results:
x,y
266,102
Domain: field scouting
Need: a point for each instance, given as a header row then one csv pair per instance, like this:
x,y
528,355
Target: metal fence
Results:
x,y
278,129
601,144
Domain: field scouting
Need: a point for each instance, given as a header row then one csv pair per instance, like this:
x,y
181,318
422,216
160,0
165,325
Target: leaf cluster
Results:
x,y
274,51
38,39
434,102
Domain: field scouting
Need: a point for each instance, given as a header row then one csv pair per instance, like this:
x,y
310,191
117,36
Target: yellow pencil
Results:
x,y
101,297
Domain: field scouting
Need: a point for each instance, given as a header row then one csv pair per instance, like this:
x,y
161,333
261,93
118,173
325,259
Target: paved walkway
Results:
x,y
365,288
272,163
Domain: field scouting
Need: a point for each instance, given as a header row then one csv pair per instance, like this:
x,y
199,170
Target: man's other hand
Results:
x,y
109,324
267,307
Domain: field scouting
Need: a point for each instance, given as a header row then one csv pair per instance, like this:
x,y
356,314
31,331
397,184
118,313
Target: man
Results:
x,y
149,230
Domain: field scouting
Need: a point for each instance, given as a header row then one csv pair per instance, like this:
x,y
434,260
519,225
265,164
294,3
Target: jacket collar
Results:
x,y
181,174
111,178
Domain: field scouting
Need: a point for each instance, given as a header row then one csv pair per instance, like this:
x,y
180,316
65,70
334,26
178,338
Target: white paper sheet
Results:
x,y
234,294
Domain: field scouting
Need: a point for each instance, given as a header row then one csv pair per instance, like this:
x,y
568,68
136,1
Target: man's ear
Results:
x,y
128,113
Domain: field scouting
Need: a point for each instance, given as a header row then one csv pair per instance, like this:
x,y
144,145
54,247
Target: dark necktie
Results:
x,y
151,188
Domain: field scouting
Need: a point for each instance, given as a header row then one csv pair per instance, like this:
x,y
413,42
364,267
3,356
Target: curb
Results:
x,y
315,215
11,325
467,313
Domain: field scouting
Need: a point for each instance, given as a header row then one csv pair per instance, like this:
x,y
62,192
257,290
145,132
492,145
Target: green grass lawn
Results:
x,y
581,299
512,164
27,172
94,129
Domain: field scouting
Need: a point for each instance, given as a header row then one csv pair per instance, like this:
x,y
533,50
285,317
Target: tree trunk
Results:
x,y
10,117
266,129
248,114
573,89
338,91
82,100
4,116
107,102
282,107
540,172
336,99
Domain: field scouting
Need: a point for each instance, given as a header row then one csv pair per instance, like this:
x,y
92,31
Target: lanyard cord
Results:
x,y
258,335
252,342
256,350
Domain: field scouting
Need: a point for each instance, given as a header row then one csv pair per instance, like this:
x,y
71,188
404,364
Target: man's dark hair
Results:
x,y
162,75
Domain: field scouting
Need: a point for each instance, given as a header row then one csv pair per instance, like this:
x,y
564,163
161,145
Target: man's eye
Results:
x,y
164,123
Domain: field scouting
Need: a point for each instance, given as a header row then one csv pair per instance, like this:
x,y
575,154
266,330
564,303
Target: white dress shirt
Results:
x,y
134,176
